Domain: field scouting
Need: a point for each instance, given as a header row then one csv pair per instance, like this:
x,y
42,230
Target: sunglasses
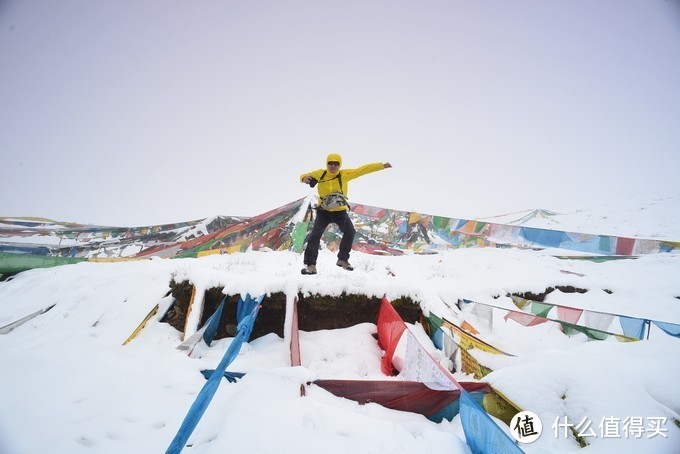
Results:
x,y
333,163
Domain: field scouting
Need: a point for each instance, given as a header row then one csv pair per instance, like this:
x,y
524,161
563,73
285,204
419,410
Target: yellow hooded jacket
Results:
x,y
331,182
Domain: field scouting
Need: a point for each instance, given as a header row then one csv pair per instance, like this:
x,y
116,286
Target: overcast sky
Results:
x,y
141,112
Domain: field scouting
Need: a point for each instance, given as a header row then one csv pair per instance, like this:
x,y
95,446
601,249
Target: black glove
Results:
x,y
312,182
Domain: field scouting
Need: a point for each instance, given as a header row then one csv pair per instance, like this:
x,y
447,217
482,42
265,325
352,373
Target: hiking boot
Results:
x,y
345,265
309,269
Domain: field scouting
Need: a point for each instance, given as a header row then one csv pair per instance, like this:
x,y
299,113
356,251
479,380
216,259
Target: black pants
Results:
x,y
323,218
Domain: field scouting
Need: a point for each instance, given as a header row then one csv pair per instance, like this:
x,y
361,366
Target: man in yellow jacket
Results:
x,y
333,207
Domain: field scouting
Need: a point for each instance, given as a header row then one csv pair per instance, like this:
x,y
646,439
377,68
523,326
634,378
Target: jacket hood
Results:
x,y
334,157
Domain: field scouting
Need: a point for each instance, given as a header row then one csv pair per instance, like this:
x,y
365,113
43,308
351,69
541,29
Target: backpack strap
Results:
x,y
339,177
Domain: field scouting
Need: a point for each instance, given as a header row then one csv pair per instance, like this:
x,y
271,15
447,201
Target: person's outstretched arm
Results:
x,y
350,174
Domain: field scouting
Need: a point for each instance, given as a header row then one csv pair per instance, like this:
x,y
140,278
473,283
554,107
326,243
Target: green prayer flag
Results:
x,y
299,234
540,309
441,223
592,333
435,323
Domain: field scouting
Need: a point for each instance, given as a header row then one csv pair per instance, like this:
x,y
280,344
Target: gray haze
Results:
x,y
140,112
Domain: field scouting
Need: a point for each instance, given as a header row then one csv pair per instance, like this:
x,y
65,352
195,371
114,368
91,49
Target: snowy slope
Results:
x,y
649,215
69,385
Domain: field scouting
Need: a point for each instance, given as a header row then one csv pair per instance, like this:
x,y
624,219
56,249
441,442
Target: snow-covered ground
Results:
x,y
69,385
651,215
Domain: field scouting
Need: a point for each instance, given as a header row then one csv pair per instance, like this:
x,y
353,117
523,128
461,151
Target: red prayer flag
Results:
x,y
390,329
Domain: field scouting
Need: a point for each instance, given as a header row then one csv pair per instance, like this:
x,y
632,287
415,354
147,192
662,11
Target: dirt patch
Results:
x,y
319,312
269,319
315,312
541,296
177,314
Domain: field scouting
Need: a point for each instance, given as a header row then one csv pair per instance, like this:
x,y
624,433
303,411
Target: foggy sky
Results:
x,y
142,112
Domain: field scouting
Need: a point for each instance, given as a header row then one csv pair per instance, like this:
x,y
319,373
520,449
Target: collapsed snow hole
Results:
x,y
541,296
315,312
269,320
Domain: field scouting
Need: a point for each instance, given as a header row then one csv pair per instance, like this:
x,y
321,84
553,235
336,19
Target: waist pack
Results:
x,y
333,202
